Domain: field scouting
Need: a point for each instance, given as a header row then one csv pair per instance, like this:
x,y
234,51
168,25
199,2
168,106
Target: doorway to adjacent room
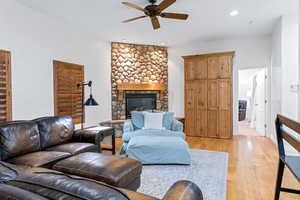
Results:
x,y
252,102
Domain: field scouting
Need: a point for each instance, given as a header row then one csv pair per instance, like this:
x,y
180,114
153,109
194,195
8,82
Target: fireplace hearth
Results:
x,y
139,102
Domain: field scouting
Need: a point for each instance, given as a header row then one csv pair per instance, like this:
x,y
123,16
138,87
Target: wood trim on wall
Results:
x,y
228,53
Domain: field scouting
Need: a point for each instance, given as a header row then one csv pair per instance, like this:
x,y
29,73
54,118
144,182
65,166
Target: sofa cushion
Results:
x,y
18,138
74,148
55,130
113,170
39,159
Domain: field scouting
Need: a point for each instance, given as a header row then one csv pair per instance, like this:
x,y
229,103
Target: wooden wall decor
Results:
x,y
5,86
67,96
208,95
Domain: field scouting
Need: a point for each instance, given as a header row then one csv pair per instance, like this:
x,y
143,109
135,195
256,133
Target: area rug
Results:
x,y
208,171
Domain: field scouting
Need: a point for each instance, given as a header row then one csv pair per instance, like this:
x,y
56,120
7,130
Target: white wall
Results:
x,y
250,53
34,41
290,66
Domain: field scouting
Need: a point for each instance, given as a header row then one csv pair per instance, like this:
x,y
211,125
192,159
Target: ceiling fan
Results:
x,y
153,11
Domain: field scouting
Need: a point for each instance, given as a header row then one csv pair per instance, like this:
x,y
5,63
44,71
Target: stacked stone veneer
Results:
x,y
133,63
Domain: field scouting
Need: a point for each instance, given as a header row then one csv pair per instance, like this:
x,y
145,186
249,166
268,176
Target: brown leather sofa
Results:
x,y
22,183
43,142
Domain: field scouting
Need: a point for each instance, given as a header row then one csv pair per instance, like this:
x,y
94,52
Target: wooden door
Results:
x,y
225,108
212,109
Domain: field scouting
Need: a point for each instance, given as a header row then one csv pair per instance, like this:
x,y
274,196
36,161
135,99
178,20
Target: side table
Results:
x,y
105,132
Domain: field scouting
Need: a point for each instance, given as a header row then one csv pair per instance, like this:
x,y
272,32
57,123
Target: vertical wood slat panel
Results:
x,y
67,96
5,86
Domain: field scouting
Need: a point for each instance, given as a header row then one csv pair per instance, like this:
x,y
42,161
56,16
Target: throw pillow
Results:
x,y
168,120
137,119
153,120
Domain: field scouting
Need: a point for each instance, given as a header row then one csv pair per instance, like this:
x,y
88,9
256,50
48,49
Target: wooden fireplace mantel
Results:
x,y
121,87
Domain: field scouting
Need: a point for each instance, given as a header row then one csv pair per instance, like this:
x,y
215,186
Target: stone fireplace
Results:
x,y
139,74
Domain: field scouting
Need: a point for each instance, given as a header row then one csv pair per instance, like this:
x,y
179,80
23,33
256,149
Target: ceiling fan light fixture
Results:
x,y
234,13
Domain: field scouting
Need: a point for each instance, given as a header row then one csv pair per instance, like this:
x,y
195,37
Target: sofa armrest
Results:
x,y
88,136
128,126
184,190
177,126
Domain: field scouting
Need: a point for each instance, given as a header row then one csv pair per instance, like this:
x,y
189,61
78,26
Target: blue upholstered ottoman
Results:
x,y
159,150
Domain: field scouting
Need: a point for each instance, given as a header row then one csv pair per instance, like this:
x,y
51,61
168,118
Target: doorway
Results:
x,y
252,102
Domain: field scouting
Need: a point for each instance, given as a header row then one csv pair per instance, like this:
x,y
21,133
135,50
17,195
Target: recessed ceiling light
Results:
x,y
234,13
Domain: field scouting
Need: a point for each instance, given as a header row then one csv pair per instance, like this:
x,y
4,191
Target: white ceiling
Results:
x,y
209,19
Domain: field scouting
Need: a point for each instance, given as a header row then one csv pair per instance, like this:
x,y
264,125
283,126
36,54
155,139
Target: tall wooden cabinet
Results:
x,y
208,95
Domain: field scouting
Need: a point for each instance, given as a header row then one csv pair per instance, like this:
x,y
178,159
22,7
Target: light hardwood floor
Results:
x,y
252,166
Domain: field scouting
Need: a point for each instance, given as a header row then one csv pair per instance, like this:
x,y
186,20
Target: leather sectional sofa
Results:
x,y
29,151
44,141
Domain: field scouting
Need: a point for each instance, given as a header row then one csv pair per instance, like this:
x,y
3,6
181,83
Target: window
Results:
x,y
5,86
67,95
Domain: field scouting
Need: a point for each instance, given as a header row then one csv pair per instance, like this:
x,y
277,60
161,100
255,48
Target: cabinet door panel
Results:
x,y
212,123
224,94
212,94
213,67
212,115
189,70
225,108
225,67
200,69
201,107
224,124
190,103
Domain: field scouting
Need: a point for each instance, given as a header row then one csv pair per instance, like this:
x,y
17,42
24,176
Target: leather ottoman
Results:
x,y
113,170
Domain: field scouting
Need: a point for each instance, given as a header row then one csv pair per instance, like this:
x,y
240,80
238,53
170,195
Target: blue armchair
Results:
x,y
142,143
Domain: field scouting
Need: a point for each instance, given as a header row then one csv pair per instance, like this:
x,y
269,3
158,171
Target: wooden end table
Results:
x,y
105,132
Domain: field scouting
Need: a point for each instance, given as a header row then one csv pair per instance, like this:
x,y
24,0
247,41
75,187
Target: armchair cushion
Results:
x,y
151,132
74,148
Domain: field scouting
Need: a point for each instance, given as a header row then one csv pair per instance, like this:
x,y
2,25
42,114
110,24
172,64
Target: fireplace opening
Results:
x,y
139,102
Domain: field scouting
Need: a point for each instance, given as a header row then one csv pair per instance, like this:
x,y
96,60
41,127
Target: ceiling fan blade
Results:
x,y
131,5
165,4
133,19
174,16
155,23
